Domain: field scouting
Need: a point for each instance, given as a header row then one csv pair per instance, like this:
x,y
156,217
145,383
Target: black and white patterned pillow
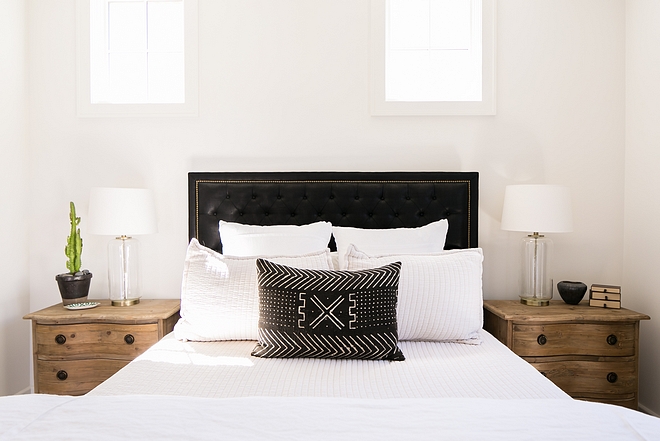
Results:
x,y
327,314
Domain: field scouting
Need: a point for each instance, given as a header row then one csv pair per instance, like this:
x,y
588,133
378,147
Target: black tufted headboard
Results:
x,y
350,199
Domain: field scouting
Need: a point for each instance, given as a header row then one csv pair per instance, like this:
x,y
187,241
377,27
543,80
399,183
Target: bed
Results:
x,y
244,366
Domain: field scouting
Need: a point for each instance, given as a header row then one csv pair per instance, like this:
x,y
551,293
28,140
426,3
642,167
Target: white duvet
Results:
x,y
144,417
431,370
215,390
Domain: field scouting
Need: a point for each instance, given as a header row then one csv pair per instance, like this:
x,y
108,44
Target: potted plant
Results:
x,y
74,285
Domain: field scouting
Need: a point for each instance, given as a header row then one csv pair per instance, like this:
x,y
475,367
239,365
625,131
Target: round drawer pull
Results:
x,y
611,339
612,377
60,339
62,375
541,340
129,339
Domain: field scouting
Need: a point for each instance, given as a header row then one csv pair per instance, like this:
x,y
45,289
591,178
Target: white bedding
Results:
x,y
182,390
431,369
38,417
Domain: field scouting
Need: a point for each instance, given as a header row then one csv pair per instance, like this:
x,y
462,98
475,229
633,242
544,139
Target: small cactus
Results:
x,y
73,249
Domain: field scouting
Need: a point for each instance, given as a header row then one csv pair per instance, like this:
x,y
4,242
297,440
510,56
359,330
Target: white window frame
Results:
x,y
380,106
190,107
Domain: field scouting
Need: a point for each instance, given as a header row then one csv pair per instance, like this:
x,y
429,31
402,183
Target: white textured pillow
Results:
x,y
219,298
440,295
427,239
274,240
335,260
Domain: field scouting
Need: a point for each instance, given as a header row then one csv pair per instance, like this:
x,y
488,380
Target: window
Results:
x,y
136,51
433,50
432,57
137,57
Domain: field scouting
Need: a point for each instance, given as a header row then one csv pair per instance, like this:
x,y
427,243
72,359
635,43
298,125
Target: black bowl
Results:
x,y
571,292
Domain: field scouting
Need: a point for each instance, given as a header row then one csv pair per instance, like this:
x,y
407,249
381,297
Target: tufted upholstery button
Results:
x,y
421,214
407,198
227,197
266,213
240,213
343,214
304,197
434,197
396,214
357,198
382,198
215,213
332,196
319,214
371,214
279,196
293,214
254,196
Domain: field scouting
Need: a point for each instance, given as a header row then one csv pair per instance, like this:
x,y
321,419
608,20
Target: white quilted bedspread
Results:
x,y
431,370
100,418
216,390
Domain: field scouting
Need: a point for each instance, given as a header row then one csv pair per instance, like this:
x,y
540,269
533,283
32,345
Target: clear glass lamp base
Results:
x,y
537,284
126,302
123,271
534,302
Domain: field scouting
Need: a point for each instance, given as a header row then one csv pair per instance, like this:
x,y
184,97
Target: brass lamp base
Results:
x,y
126,302
534,302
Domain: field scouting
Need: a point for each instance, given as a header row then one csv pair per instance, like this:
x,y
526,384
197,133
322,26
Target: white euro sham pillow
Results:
x,y
219,297
421,240
440,295
273,240
335,260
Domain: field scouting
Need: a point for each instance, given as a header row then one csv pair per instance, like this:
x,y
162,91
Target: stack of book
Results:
x,y
605,296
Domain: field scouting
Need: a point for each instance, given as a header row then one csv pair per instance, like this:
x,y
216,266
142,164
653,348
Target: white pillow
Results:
x,y
219,298
440,295
335,260
274,240
422,240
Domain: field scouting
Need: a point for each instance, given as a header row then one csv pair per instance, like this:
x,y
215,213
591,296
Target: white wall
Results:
x,y
14,294
284,86
642,197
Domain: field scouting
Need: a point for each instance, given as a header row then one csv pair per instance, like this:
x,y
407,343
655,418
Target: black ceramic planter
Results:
x,y
571,292
74,288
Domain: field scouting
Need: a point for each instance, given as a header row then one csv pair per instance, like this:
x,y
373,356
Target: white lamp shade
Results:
x,y
537,208
121,211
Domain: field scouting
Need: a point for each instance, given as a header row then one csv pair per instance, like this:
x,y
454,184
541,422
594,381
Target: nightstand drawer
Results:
x,y
611,340
74,377
94,340
592,379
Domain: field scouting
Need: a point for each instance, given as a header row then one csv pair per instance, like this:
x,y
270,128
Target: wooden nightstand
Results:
x,y
74,351
590,353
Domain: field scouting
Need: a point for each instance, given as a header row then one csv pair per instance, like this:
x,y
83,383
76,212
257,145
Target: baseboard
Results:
x,y
27,390
647,410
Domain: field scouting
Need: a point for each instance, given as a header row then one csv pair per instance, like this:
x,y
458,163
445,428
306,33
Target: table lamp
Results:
x,y
537,209
122,212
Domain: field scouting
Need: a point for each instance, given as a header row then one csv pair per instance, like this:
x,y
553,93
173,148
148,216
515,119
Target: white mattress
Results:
x,y
431,370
